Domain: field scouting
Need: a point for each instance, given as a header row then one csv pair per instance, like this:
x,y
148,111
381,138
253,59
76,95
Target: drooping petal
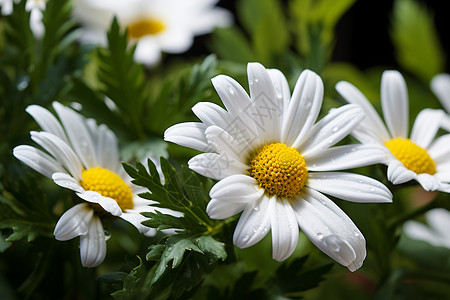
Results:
x,y
426,127
78,134
330,229
189,134
216,166
346,157
60,151
397,173
93,244
372,128
303,109
350,187
37,160
47,121
108,204
331,129
74,222
231,195
254,222
395,104
284,230
66,181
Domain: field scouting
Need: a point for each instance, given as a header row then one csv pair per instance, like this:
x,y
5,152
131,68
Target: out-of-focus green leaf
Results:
x,y
231,44
415,38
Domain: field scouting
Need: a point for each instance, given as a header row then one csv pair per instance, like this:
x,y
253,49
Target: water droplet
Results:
x,y
335,128
245,238
372,190
320,236
256,208
231,90
356,234
23,84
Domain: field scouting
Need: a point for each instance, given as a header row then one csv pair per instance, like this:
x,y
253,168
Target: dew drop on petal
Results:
x,y
320,236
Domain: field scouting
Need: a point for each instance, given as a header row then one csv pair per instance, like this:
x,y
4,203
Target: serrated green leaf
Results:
x,y
162,221
215,248
412,23
134,284
155,252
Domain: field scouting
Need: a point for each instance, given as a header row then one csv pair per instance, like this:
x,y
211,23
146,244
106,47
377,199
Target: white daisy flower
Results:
x,y
420,157
83,156
35,7
440,85
436,233
271,161
153,25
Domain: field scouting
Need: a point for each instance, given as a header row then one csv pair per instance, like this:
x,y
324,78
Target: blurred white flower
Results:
x,y
83,156
440,85
436,233
422,156
153,25
274,164
35,7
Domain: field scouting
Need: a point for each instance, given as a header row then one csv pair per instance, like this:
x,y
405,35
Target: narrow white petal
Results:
x,y
398,174
106,146
372,122
93,244
428,182
346,157
221,210
216,166
212,114
284,230
439,150
232,94
135,218
189,134
419,231
66,181
281,87
78,134
108,204
440,84
330,229
60,151
394,102
37,160
254,222
74,222
350,187
47,121
439,220
303,108
226,144
268,105
426,126
331,129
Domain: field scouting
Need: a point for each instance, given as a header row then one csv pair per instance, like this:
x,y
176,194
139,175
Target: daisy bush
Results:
x,y
205,149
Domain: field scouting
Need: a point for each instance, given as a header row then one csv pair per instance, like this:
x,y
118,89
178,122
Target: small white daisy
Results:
x,y
440,85
436,233
83,156
35,7
269,156
153,25
420,157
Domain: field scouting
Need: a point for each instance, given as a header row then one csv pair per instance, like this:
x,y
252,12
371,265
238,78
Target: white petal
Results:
x,y
398,174
216,166
231,194
330,229
268,107
439,220
233,96
254,222
284,230
439,150
74,222
281,87
394,102
93,244
147,51
66,181
78,134
331,129
426,126
108,204
60,151
189,134
440,84
428,182
136,218
372,122
37,160
346,157
106,146
47,121
350,187
226,144
212,114
303,108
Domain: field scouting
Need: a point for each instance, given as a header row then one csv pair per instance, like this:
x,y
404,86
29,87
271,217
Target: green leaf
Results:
x,y
209,245
231,44
412,23
135,285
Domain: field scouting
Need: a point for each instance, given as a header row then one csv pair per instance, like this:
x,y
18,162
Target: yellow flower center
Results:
x,y
107,184
413,157
280,170
145,27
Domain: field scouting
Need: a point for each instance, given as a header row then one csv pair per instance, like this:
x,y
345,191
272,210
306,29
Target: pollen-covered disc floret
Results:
x,y
108,184
411,155
145,27
280,170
